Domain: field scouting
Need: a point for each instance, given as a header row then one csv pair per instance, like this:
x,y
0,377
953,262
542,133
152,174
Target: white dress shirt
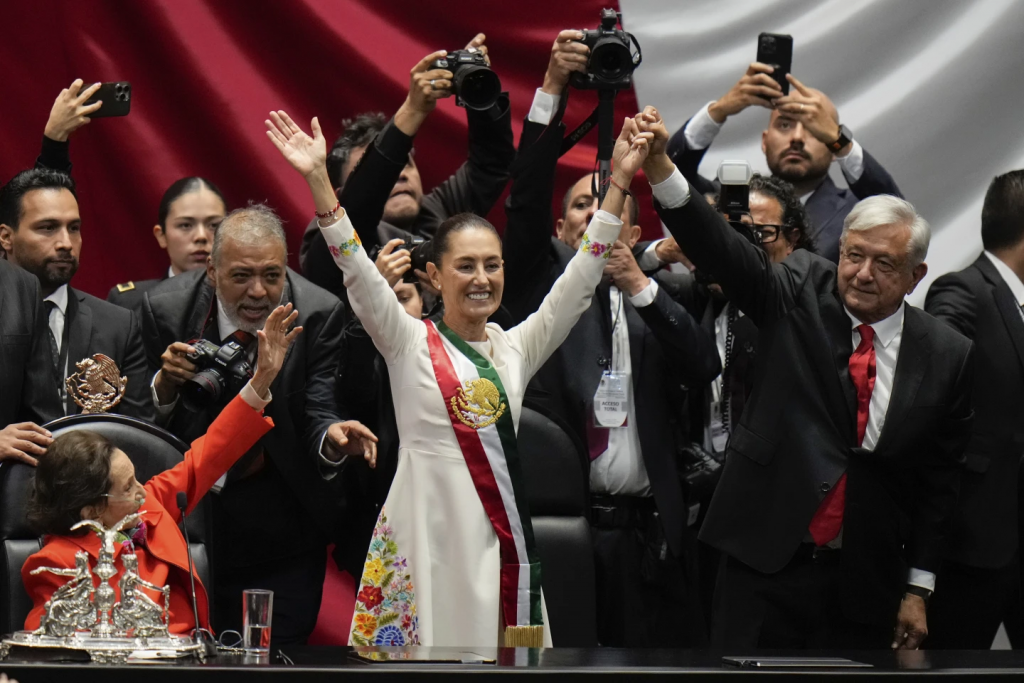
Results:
x,y
674,192
620,470
1009,277
701,131
56,320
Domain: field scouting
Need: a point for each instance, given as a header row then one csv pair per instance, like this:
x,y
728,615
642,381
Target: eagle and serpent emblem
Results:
x,y
97,386
478,405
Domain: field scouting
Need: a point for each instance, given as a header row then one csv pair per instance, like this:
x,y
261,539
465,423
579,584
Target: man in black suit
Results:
x,y
799,147
26,372
369,154
40,229
633,332
274,510
842,474
980,580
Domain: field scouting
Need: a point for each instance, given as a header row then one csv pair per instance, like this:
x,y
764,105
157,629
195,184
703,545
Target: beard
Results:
x,y
55,272
792,173
231,311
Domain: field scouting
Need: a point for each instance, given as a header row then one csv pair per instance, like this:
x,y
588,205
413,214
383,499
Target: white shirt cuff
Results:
x,y
921,579
701,130
649,260
646,295
328,468
543,108
853,163
162,410
606,217
672,192
250,396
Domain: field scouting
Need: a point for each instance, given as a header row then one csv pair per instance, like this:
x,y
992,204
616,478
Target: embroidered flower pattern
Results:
x,y
347,248
385,609
598,249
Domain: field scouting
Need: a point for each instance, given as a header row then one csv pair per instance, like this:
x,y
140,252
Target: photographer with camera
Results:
x,y
632,332
274,512
803,138
374,172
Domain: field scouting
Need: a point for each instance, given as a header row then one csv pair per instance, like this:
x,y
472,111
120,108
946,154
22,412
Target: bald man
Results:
x,y
802,140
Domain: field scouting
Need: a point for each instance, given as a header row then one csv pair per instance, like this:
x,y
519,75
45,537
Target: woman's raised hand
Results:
x,y
306,154
630,150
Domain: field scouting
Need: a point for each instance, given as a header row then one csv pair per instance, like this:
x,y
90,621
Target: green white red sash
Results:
x,y
480,413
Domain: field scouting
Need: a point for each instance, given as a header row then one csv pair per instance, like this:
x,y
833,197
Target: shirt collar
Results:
x,y
885,330
1009,277
170,271
225,328
60,298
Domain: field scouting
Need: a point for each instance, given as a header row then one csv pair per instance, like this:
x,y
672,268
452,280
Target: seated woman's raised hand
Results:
x,y
274,340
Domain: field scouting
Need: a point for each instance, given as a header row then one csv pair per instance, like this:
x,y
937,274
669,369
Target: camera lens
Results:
x,y
477,86
202,391
610,60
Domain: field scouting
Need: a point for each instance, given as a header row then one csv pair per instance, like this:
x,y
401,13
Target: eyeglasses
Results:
x,y
763,233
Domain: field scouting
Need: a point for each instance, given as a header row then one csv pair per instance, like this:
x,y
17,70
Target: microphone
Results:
x,y
203,637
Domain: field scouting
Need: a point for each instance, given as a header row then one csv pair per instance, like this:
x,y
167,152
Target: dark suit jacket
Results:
x,y
303,405
667,346
129,295
474,188
827,206
978,303
27,384
97,326
797,434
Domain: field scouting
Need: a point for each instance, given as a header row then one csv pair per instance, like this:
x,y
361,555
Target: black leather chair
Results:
x,y
555,468
151,449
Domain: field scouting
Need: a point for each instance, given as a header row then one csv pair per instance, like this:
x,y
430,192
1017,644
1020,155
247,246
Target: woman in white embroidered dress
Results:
x,y
435,574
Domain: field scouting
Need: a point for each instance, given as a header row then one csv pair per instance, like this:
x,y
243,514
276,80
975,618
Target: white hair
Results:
x,y
884,209
252,225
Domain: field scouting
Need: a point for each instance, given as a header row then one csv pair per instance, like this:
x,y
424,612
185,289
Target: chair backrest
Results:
x,y
151,449
555,470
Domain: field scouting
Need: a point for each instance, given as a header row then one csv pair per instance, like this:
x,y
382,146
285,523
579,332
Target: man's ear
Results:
x,y
211,271
434,275
6,237
558,227
161,236
918,274
634,235
764,145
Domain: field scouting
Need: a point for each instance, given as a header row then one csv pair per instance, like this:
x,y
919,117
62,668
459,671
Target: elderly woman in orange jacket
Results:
x,y
83,476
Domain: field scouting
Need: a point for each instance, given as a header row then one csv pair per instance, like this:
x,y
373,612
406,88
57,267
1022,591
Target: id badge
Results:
x,y
611,400
719,435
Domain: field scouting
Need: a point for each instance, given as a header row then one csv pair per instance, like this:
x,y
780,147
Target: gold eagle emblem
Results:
x,y
478,405
97,386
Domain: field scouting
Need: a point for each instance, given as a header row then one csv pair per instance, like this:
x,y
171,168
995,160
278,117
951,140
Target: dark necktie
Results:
x,y
828,520
58,372
242,338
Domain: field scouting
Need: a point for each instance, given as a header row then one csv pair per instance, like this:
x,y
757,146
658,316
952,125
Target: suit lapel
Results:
x,y
839,387
823,205
79,320
910,368
1007,305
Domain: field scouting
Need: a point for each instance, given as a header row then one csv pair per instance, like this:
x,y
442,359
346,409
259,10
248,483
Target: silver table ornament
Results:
x,y
80,617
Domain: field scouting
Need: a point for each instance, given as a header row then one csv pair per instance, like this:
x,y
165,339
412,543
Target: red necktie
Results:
x,y
828,520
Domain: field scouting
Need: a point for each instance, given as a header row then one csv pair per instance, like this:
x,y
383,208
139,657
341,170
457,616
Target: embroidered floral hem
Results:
x,y
385,608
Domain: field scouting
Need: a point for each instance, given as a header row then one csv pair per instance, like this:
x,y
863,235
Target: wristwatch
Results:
x,y
920,592
845,138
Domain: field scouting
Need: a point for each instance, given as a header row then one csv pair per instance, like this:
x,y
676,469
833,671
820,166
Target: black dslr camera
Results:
x,y
611,63
474,84
421,251
222,372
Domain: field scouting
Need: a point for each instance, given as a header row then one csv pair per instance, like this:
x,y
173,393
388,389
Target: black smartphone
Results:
x,y
116,98
776,49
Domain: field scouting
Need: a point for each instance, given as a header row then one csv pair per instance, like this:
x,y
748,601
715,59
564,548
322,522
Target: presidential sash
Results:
x,y
478,408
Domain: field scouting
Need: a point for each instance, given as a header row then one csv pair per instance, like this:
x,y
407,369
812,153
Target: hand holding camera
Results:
x,y
472,82
568,56
69,112
756,88
393,262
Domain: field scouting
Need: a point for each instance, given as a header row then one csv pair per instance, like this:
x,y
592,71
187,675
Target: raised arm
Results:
x,y
746,275
393,330
68,114
544,331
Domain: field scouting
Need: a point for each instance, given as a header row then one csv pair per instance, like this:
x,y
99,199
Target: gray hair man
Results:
x,y
274,512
